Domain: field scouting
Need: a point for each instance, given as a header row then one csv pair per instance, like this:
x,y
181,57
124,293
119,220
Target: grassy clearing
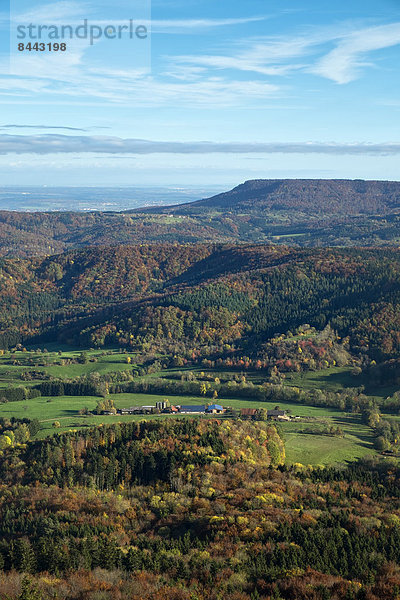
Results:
x,y
323,450
337,379
334,379
306,448
288,235
65,409
105,363
301,447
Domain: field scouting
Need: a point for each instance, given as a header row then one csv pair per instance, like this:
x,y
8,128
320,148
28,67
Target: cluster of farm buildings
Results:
x,y
166,408
212,409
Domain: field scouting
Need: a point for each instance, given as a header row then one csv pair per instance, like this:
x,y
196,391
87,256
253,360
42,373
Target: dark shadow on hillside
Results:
x,y
365,440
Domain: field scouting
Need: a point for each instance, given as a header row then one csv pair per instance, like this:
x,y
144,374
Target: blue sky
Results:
x,y
221,92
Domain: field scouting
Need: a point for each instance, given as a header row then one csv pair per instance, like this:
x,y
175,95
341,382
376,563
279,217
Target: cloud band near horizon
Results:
x,y
68,144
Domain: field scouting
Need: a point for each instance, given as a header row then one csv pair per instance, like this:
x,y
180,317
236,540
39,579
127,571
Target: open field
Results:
x,y
306,448
301,446
336,379
47,363
333,379
324,450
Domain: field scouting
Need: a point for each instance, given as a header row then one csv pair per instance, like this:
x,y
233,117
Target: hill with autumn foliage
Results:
x,y
202,299
183,509
305,213
311,196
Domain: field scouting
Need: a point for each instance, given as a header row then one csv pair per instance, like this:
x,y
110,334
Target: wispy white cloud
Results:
x,y
144,92
66,144
53,12
75,77
346,62
72,13
339,54
267,57
214,80
46,127
172,25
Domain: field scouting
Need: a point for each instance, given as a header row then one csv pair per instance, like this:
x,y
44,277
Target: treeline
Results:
x,y
70,388
18,394
350,399
387,372
336,545
387,431
262,213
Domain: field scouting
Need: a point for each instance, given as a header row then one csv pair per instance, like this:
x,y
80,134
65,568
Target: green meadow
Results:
x,y
301,446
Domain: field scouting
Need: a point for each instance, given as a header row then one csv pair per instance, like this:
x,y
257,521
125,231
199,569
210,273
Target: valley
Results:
x,y
196,404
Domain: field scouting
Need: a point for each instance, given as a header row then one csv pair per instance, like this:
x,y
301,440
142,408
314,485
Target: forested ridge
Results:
x,y
184,298
311,195
306,213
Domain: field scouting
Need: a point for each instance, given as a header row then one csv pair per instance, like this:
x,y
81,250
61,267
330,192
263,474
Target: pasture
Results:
x,y
303,442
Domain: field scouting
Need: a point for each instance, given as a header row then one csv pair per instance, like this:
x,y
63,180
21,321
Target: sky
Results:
x,y
215,94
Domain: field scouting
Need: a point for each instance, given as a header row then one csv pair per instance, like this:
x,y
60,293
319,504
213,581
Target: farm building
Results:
x,y
192,409
136,410
162,405
215,409
132,410
248,413
278,415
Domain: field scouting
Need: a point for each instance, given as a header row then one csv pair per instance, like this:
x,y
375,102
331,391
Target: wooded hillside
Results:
x,y
299,212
